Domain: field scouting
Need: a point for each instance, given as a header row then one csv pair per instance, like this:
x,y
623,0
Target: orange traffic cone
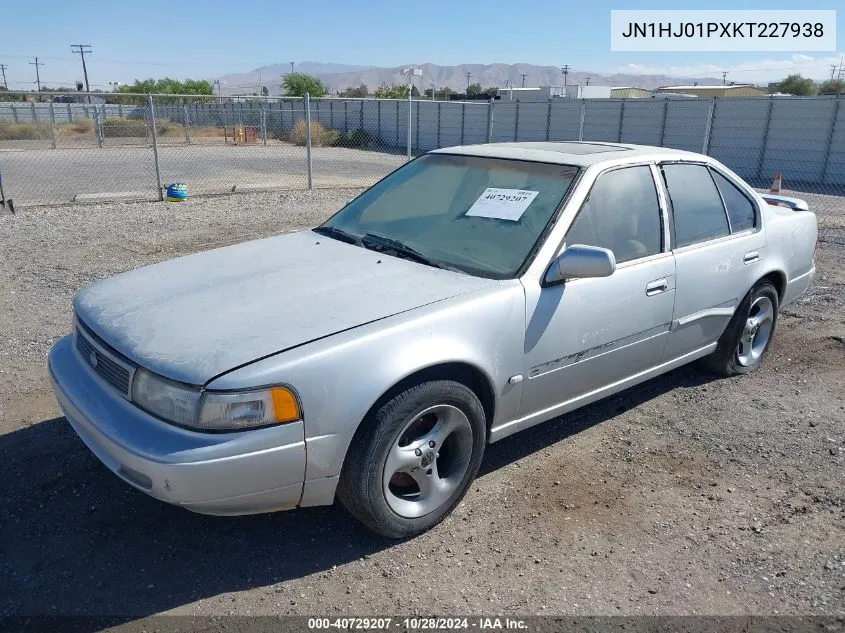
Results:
x,y
776,184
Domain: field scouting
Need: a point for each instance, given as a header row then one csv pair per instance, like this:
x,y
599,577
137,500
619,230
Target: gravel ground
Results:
x,y
55,176
685,495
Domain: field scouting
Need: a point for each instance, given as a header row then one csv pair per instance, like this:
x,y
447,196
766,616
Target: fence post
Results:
x,y
708,130
489,120
417,129
581,124
264,123
463,119
830,137
14,113
187,127
98,124
361,114
410,123
765,138
308,141
621,122
155,146
439,142
34,114
120,110
549,121
69,113
53,124
663,123
516,122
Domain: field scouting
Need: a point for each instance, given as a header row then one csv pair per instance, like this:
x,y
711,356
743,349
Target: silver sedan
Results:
x,y
473,293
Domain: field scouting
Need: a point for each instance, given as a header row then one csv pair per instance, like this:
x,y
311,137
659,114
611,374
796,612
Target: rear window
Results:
x,y
696,204
740,209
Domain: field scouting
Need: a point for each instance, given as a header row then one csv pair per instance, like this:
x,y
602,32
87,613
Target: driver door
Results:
x,y
583,335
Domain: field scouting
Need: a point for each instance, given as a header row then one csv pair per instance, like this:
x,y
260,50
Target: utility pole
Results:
x,y
565,70
291,68
216,82
840,74
37,63
468,76
523,79
588,80
833,68
81,49
724,74
3,68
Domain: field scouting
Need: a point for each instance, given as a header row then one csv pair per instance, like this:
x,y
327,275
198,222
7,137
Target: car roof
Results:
x,y
582,154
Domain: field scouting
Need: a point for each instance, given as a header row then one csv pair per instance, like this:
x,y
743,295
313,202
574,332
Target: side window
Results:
x,y
740,209
622,213
696,204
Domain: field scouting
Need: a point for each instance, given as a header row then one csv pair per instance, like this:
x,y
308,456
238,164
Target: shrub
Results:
x,y
23,131
121,126
78,127
320,136
356,138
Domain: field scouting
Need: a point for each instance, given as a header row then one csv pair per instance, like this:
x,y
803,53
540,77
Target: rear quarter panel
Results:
x,y
791,243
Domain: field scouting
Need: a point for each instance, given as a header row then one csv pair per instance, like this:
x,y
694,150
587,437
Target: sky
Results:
x,y
202,39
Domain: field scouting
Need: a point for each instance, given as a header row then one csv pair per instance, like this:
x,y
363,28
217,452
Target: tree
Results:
x,y
395,91
297,84
265,92
492,91
832,87
165,86
797,85
356,93
474,89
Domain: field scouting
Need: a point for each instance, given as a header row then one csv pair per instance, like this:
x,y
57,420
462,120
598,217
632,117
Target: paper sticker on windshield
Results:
x,y
502,204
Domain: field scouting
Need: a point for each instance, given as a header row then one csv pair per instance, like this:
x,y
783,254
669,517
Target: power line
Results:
x,y
81,49
36,63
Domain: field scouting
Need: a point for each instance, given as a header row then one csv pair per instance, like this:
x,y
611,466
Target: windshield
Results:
x,y
480,215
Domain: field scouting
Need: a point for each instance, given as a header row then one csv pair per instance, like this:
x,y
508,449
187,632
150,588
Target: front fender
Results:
x,y
339,378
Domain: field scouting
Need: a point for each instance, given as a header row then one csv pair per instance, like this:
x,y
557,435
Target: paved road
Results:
x,y
54,176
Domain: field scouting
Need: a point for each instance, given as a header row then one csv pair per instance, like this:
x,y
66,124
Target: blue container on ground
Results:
x,y
177,192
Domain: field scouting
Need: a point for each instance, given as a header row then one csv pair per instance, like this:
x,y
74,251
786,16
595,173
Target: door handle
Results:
x,y
656,287
751,257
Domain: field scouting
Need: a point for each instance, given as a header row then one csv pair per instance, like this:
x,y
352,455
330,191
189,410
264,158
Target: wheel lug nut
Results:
x,y
431,444
417,452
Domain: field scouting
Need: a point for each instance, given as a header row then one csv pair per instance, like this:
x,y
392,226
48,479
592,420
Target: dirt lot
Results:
x,y
685,495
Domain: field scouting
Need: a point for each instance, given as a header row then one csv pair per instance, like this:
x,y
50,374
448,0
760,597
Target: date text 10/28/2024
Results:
x,y
418,623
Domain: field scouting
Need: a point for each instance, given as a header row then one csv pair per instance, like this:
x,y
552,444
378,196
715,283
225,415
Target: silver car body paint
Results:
x,y
343,325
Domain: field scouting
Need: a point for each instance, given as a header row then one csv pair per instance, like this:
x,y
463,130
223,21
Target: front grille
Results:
x,y
104,361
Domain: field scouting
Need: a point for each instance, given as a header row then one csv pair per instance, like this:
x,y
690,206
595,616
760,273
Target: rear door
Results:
x,y
719,250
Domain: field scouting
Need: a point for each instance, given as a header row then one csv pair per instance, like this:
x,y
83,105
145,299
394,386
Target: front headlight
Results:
x,y
213,410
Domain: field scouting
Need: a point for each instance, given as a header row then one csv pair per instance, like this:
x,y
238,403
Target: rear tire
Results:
x,y
748,335
412,460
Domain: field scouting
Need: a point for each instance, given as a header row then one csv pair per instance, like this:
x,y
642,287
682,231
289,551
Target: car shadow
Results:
x,y
78,541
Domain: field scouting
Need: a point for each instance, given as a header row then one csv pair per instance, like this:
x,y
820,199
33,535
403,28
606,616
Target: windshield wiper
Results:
x,y
338,234
403,250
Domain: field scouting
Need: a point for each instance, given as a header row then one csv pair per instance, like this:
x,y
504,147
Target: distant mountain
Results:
x,y
340,76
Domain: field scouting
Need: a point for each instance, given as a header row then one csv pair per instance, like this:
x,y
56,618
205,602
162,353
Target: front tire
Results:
x,y
748,335
412,460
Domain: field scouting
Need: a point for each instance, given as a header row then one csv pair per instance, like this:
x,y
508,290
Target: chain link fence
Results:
x,y
70,150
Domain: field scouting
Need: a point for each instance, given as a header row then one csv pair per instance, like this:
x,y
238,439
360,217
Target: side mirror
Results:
x,y
579,260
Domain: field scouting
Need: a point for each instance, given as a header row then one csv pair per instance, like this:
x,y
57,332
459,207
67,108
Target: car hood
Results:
x,y
198,316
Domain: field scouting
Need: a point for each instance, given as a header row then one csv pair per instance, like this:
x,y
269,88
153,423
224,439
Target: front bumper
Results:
x,y
246,472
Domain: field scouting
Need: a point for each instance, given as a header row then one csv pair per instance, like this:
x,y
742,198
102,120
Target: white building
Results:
x,y
545,93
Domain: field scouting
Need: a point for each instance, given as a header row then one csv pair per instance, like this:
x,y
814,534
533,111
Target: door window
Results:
x,y
622,213
696,205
